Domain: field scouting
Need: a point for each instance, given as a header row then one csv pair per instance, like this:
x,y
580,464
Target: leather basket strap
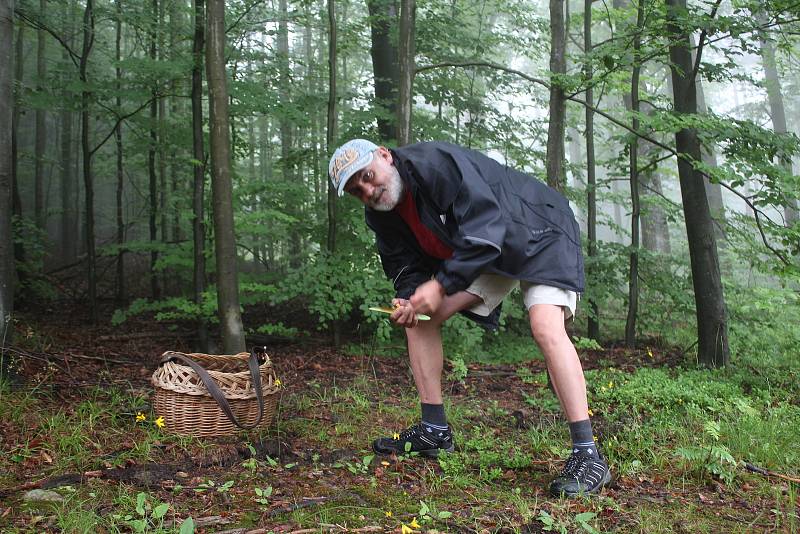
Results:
x,y
213,389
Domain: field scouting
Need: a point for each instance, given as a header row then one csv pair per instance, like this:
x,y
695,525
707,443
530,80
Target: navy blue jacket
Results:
x,y
496,220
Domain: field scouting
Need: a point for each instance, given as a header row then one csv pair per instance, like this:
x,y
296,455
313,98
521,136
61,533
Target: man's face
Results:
x,y
378,185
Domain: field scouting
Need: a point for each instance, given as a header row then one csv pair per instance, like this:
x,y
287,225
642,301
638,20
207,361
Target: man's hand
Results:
x,y
404,313
428,297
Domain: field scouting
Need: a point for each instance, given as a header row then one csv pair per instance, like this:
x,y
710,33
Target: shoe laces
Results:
x,y
409,432
575,466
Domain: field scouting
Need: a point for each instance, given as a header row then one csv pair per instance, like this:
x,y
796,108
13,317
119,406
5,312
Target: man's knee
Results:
x,y
547,325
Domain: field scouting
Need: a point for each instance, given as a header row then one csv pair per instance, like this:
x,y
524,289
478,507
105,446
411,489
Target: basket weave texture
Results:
x,y
188,408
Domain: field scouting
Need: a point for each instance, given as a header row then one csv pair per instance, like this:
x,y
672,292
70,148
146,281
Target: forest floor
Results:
x,y
71,430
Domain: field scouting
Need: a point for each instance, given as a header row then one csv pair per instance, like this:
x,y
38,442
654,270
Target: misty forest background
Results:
x,y
169,158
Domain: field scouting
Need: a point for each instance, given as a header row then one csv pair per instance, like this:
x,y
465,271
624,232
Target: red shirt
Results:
x,y
431,244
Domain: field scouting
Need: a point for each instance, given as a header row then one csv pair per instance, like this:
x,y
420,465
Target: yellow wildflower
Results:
x,y
414,523
649,353
388,513
159,422
384,463
610,385
396,436
405,530
140,417
591,413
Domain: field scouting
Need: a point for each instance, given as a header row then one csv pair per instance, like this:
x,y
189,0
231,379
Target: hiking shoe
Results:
x,y
582,474
419,438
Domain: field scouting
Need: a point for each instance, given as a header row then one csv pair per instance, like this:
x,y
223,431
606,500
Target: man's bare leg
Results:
x,y
566,372
585,471
425,346
426,356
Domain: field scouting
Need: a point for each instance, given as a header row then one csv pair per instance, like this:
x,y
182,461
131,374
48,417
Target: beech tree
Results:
x,y
198,172
407,70
385,66
711,312
230,317
6,236
558,105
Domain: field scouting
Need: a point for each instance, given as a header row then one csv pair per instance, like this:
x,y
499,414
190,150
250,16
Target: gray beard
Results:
x,y
391,193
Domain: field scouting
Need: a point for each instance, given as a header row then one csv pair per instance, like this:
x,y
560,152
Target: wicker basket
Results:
x,y
189,408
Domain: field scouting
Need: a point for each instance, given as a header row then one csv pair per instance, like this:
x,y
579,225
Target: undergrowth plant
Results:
x,y
712,457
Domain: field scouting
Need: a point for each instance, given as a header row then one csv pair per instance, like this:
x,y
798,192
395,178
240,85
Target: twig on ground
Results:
x,y
99,359
44,356
138,335
766,472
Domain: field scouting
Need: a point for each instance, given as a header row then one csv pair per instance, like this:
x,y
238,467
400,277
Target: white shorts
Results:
x,y
493,288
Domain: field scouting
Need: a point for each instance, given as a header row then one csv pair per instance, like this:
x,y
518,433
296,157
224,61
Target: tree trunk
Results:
x,y
654,223
593,327
161,150
69,186
383,17
227,280
16,202
286,130
121,288
408,10
199,171
713,191
777,113
712,320
6,235
633,149
175,107
558,104
155,289
40,143
88,185
330,138
655,227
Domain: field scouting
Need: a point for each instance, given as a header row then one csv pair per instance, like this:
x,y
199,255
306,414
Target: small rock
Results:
x,y
40,495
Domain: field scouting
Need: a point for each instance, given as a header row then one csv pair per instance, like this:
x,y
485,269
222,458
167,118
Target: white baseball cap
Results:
x,y
348,159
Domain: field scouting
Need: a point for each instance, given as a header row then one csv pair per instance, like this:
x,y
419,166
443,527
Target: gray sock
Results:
x,y
582,438
433,414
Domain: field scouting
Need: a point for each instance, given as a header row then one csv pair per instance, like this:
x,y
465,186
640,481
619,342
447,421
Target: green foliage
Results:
x,y
652,390
334,286
170,309
278,329
462,338
713,458
483,456
31,241
585,343
147,515
459,370
429,513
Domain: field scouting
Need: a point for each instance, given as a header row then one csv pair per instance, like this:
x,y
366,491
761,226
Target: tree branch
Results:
x,y
39,26
701,42
756,212
121,118
243,15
